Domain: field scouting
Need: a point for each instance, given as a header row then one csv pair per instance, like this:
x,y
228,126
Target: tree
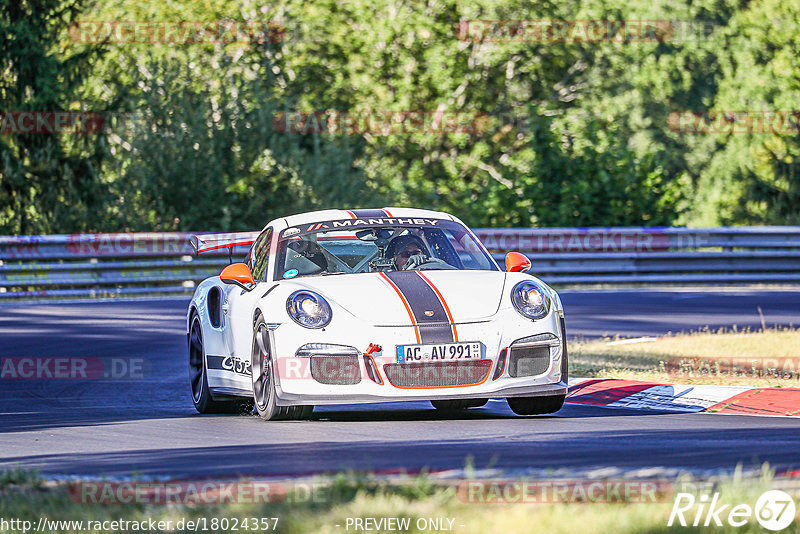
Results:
x,y
754,178
49,182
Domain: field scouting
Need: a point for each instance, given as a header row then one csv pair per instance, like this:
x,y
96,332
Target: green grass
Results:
x,y
349,496
768,357
19,477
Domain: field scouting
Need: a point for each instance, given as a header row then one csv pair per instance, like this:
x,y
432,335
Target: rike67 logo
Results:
x,y
774,510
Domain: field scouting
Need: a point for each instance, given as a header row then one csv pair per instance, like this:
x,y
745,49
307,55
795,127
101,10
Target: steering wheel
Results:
x,y
421,260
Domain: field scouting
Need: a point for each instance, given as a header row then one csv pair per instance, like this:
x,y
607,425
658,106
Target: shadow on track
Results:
x,y
630,449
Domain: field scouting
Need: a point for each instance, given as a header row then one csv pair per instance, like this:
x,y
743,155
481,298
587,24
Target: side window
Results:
x,y
259,255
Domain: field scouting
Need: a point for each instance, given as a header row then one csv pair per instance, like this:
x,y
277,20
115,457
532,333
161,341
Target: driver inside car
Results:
x,y
409,252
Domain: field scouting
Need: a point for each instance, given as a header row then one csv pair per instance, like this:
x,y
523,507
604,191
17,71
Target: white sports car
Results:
x,y
372,305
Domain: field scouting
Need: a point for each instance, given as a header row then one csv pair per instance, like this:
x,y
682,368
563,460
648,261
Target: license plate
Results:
x,y
438,352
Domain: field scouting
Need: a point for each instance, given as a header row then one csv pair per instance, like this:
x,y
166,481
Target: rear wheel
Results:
x,y
264,380
201,394
458,405
536,405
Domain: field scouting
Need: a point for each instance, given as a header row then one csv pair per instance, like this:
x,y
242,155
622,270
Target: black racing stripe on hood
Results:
x,y
436,333
428,310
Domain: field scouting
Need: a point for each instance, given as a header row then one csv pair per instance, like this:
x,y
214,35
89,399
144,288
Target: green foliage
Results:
x,y
46,181
577,133
756,178
218,162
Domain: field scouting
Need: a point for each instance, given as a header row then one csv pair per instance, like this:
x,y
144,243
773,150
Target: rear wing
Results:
x,y
206,242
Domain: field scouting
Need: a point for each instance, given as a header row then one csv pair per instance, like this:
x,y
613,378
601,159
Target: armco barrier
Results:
x,y
95,265
748,254
130,264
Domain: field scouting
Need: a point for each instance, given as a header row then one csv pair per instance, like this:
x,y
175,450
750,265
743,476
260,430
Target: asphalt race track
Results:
x,y
115,427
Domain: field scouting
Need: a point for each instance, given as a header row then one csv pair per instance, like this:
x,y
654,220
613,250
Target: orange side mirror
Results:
x,y
239,274
516,262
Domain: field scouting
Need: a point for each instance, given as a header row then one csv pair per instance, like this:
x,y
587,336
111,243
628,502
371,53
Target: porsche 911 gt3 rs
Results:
x,y
372,305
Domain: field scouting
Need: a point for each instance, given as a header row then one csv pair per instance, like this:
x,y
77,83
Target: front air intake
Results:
x,y
437,374
528,361
335,370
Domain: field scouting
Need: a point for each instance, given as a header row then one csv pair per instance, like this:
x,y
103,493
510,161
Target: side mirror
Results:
x,y
516,262
239,274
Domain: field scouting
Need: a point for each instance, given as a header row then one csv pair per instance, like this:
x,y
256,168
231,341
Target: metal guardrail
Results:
x,y
731,255
129,264
96,265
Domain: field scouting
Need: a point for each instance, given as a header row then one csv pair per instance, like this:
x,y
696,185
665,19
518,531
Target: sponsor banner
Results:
x,y
177,32
73,368
778,122
564,491
50,122
377,122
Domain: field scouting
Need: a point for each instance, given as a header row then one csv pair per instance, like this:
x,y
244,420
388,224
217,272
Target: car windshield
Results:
x,y
360,246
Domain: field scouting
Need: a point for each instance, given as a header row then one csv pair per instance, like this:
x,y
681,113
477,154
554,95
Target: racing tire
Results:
x,y
536,405
458,405
304,412
201,393
264,394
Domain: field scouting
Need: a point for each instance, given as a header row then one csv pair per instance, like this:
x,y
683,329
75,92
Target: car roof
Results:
x,y
358,213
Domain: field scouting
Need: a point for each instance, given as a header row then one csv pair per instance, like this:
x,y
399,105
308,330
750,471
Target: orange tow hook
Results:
x,y
369,363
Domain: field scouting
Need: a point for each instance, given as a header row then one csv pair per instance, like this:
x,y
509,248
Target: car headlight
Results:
x,y
308,309
531,300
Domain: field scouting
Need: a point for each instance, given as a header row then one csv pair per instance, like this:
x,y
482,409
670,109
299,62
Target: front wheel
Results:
x,y
536,405
264,380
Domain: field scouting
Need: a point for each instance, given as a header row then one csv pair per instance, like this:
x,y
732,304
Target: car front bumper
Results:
x,y
295,384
